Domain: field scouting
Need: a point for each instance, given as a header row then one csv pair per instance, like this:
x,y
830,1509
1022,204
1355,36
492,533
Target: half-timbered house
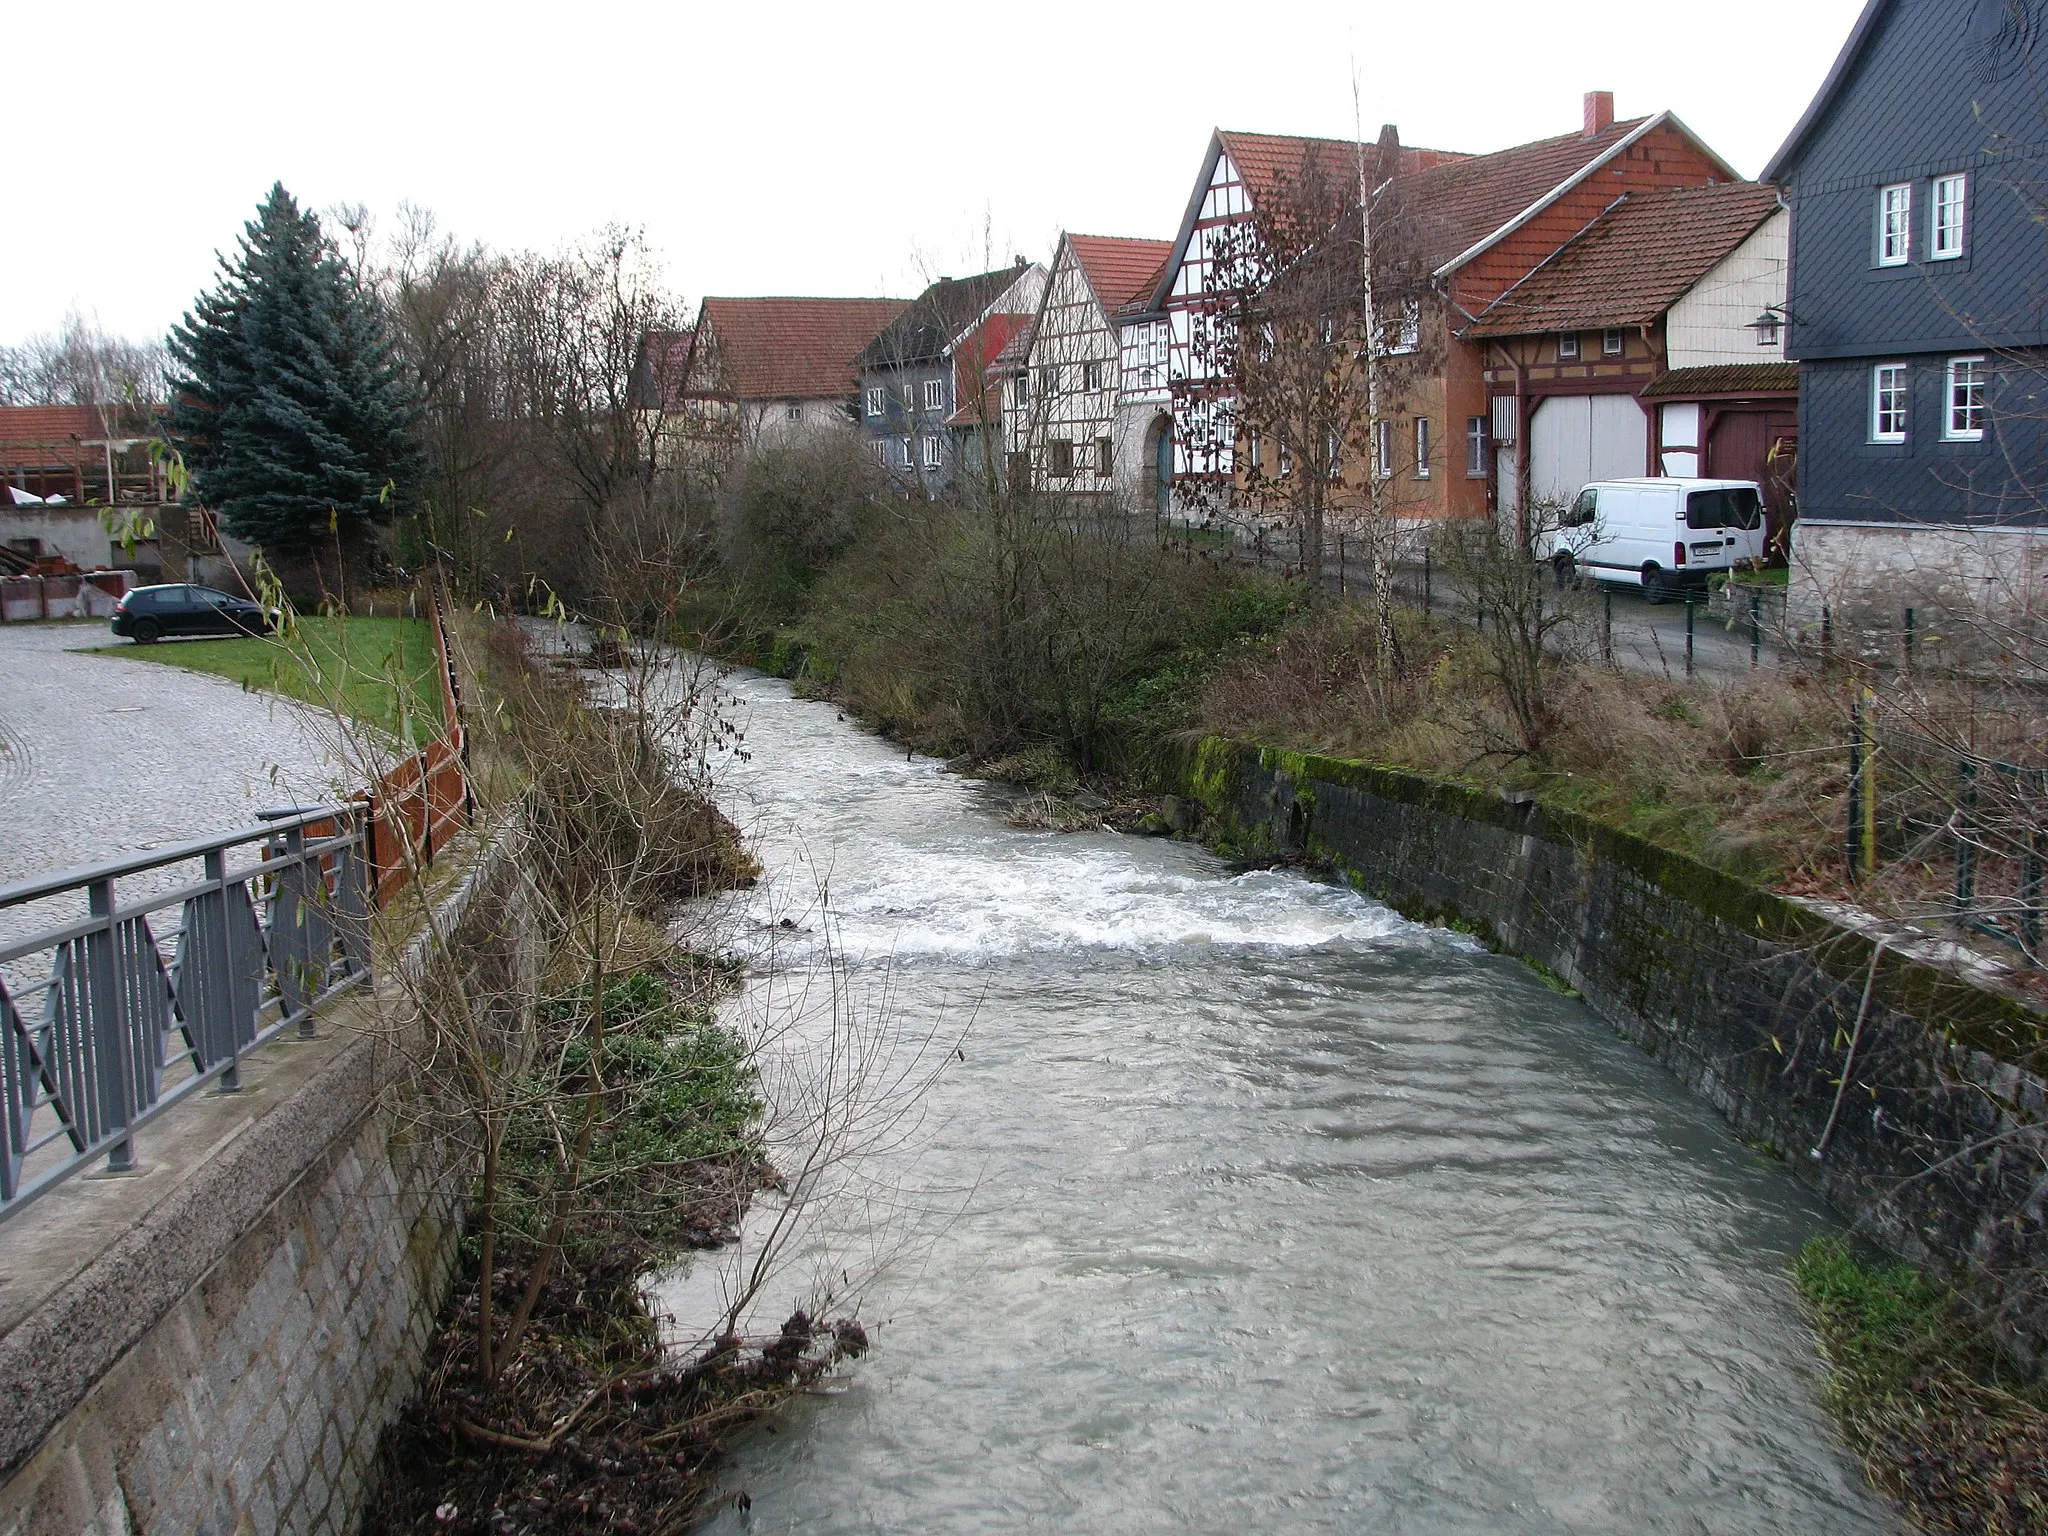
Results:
x,y
1473,226
1073,425
755,371
1664,278
912,409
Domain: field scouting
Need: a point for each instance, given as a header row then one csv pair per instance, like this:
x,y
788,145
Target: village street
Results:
x,y
104,755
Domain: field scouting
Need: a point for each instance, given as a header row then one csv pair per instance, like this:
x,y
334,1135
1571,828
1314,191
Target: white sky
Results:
x,y
793,147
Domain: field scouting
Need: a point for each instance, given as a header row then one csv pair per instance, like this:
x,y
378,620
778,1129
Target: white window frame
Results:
x,y
1891,402
1970,411
1568,348
1408,329
935,394
1475,447
880,448
1613,343
1949,217
905,458
794,413
1383,450
1333,450
1422,445
1091,377
1048,386
1020,390
878,400
1895,224
931,451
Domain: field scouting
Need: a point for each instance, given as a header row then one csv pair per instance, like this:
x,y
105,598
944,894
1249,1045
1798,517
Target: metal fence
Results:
x,y
110,1017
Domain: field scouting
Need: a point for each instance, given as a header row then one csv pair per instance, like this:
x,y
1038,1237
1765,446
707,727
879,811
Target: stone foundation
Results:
x,y
1868,574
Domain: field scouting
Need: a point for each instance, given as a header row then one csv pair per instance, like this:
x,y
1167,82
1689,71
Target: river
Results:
x,y
1246,1205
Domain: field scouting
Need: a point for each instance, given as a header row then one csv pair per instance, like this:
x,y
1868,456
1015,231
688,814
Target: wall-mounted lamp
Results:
x,y
1770,325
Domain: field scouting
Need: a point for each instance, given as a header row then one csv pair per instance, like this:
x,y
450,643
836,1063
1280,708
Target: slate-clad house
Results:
x,y
918,374
1915,306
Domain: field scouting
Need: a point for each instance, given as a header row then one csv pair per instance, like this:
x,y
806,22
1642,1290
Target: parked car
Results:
x,y
1664,535
147,614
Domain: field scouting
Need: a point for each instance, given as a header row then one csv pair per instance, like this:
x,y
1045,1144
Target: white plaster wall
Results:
x,y
73,532
1711,323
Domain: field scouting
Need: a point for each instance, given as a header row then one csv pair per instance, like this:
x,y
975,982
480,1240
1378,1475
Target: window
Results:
x,y
1254,449
1333,450
1020,391
880,448
878,401
794,413
1964,422
1091,377
1888,401
1048,382
1895,224
931,453
1567,349
1020,471
1103,462
1329,330
910,397
1475,447
1408,336
1059,458
1612,343
1951,193
903,452
1422,447
935,394
1382,449
1286,461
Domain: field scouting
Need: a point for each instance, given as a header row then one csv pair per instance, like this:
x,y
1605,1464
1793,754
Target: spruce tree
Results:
x,y
295,414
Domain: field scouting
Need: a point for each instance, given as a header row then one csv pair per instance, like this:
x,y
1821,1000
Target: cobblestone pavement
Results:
x,y
101,755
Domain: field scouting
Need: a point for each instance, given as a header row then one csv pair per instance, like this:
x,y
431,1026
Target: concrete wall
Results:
x,y
1749,998
216,1343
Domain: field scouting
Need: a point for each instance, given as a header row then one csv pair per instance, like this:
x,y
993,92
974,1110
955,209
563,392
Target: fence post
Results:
x,y
112,1046
1827,636
1908,646
1966,851
1428,595
1756,629
1340,562
1607,625
1688,634
1853,842
2030,893
1868,725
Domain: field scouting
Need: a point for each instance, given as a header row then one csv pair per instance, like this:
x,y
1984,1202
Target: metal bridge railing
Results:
x,y
115,1013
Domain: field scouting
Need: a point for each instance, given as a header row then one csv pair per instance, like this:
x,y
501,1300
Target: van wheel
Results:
x,y
1656,586
1566,569
146,632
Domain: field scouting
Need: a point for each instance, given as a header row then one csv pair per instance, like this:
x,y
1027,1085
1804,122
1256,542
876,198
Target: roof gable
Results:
x,y
1632,263
927,328
1118,269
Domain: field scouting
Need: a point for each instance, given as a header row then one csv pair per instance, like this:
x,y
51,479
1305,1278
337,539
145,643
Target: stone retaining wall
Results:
x,y
237,1325
1937,1149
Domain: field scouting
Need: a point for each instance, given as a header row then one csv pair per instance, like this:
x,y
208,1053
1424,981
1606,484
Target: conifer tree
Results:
x,y
295,413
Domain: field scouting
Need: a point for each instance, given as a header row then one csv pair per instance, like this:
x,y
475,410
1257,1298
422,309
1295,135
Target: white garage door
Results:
x,y
1577,438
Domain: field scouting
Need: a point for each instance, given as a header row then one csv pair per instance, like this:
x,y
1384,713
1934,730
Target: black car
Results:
x,y
148,614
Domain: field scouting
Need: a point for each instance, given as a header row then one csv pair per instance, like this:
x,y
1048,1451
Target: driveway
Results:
x,y
101,755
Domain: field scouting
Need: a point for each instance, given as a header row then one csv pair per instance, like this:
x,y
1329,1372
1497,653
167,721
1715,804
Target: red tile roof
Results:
x,y
1459,204
48,424
1633,263
977,367
789,348
1141,301
1268,162
1119,269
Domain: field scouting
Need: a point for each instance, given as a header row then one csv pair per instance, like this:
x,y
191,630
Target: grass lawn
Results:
x,y
363,665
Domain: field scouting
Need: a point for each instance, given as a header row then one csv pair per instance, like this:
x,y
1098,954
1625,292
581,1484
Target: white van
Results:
x,y
1661,534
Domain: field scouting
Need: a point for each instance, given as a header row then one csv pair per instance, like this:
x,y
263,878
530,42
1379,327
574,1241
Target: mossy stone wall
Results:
x,y
1750,998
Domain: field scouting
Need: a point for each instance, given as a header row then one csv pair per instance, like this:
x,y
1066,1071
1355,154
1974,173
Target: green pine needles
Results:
x,y
294,411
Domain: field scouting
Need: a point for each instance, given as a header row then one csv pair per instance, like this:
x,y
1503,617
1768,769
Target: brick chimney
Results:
x,y
1599,112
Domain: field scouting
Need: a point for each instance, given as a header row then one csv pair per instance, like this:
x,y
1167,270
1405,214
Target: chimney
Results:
x,y
1388,151
1599,112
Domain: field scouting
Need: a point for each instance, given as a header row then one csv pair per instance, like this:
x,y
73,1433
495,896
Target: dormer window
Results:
x,y
1895,224
1568,349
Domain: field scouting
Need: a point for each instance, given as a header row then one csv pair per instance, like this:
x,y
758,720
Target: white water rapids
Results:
x,y
1246,1205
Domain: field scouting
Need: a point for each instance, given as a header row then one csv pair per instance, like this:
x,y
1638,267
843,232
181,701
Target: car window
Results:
x,y
1734,506
210,595
1584,510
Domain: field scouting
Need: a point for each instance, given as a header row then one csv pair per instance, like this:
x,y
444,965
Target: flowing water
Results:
x,y
1271,1211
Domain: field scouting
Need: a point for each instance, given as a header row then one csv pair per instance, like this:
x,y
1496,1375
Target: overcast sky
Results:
x,y
836,148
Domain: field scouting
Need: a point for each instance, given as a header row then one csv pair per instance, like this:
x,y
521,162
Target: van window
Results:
x,y
1582,512
1735,506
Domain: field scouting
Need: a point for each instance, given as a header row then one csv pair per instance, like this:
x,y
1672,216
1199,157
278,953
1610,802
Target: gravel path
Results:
x,y
102,755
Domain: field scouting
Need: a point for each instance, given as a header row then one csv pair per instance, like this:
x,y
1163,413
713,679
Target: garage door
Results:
x,y
1577,438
